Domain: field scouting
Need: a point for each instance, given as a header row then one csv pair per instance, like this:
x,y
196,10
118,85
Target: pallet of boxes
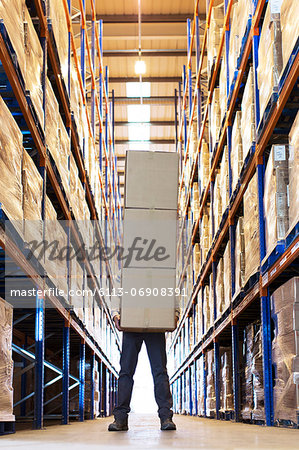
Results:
x,y
150,234
7,419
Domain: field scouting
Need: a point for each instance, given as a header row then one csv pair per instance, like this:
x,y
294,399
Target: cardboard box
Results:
x,y
153,234
154,312
151,180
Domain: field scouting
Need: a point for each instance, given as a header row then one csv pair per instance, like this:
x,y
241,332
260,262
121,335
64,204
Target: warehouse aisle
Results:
x,y
144,434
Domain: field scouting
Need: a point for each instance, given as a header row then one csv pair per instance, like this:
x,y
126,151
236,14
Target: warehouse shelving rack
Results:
x,y
274,268
60,323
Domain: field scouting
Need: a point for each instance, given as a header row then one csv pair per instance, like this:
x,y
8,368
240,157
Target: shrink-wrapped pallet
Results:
x,y
55,255
76,287
57,138
217,201
215,118
219,289
236,150
196,261
248,115
224,181
74,178
207,313
227,282
201,385
239,256
252,388
214,34
62,162
60,31
34,67
240,14
276,211
6,363
12,14
199,323
247,382
204,169
251,228
293,173
289,28
211,396
50,237
226,385
11,154
52,112
76,101
223,88
258,412
195,201
204,235
32,200
269,55
285,350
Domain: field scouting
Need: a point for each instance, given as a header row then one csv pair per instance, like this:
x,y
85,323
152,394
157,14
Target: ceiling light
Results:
x,y
140,67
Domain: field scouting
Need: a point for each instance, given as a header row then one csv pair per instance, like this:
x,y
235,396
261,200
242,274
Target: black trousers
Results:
x,y
156,350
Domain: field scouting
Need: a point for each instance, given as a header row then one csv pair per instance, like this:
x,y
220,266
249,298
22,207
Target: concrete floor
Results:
x,y
144,433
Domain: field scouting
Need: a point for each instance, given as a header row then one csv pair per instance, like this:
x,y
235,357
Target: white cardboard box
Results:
x,y
152,233
154,312
151,180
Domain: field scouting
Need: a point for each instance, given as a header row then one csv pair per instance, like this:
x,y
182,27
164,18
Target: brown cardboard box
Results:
x,y
156,234
6,363
151,180
153,312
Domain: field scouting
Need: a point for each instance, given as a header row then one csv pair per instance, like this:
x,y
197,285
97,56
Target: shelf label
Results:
x,y
275,6
295,248
265,279
273,272
279,153
283,261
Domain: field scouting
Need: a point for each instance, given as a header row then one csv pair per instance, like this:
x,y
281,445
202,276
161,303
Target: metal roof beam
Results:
x,y
145,79
146,18
155,123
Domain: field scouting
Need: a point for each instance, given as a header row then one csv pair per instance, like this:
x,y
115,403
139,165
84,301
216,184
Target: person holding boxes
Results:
x,y
149,298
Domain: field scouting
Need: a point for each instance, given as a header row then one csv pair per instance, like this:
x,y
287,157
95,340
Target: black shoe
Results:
x,y
167,424
118,425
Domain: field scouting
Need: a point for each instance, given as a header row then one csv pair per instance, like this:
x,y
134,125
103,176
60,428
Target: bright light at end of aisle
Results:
x,y
140,67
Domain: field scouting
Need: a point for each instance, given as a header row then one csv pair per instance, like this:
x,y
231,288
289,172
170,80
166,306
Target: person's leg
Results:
x,y
156,350
129,356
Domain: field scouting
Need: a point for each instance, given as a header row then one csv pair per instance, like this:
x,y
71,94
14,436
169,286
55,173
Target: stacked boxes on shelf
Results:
x,y
242,232
269,55
251,229
293,165
214,35
252,395
289,29
226,386
211,397
239,257
236,150
248,116
285,350
241,12
276,180
22,186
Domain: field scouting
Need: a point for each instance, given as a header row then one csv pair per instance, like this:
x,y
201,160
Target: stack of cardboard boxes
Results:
x,y
150,235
